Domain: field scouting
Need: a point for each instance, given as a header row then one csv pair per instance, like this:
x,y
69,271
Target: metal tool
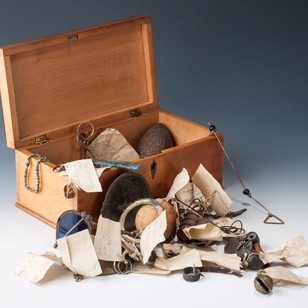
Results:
x,y
116,164
193,273
246,191
247,247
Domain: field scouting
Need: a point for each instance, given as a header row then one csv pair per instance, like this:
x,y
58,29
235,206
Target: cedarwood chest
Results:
x,y
103,74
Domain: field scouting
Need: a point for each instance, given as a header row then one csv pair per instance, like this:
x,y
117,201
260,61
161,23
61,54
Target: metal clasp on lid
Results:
x,y
137,112
41,139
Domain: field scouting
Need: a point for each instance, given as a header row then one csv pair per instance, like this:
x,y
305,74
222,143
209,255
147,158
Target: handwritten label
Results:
x,y
107,242
112,145
79,255
34,267
83,174
210,188
152,235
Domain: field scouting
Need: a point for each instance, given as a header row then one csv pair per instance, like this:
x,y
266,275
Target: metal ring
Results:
x,y
117,267
91,131
146,201
191,274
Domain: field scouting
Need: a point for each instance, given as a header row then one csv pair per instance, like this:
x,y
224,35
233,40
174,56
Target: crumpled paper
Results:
x,y
194,257
112,145
283,276
210,231
212,191
34,267
293,252
78,254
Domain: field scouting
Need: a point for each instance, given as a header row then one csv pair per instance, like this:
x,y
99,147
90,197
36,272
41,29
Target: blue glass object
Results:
x,y
71,222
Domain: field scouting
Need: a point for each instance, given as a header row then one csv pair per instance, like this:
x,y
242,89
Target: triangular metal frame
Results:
x,y
269,216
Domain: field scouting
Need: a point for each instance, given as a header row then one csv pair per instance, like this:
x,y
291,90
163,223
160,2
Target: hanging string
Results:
x,y
246,191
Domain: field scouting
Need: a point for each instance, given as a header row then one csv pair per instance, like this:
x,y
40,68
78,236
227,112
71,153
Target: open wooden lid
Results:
x,y
98,74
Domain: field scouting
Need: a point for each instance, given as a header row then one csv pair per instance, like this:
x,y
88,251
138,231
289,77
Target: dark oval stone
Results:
x,y
156,139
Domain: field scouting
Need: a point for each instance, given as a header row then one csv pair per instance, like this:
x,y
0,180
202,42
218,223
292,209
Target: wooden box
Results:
x,y
102,74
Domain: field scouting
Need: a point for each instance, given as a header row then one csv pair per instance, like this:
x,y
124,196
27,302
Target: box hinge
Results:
x,y
41,139
137,112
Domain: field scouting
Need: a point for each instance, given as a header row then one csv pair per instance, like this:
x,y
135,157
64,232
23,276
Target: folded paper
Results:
x,y
152,235
189,258
79,255
212,191
180,181
230,261
83,174
34,267
112,145
107,240
140,268
293,252
210,231
283,276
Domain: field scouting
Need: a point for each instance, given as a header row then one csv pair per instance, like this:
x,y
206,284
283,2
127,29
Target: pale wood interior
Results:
x,y
52,84
92,74
183,131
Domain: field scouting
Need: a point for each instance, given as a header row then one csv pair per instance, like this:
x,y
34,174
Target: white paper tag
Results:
x,y
79,255
152,235
107,242
210,188
179,182
83,174
34,267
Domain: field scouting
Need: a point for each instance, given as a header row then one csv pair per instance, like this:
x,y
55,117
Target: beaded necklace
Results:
x,y
37,172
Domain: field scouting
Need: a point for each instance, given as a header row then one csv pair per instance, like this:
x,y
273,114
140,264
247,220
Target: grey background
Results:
x,y
242,65
239,64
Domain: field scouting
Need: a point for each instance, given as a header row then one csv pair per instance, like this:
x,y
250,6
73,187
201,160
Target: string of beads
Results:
x,y
37,172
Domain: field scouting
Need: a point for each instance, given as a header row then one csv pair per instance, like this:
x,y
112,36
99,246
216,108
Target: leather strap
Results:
x,y
219,269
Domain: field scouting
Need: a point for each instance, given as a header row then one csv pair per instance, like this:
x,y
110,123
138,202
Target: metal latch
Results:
x,y
137,112
73,37
41,139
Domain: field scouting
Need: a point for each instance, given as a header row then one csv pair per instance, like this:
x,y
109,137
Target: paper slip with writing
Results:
x,y
83,174
99,171
111,145
78,254
152,235
210,188
34,267
294,252
189,193
107,240
181,180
